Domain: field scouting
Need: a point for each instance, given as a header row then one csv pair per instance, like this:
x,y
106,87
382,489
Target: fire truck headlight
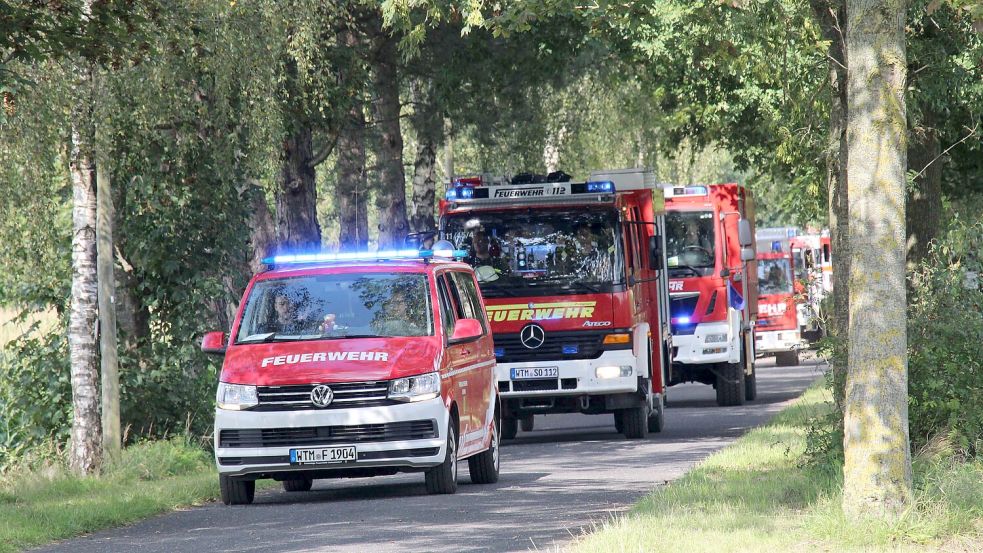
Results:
x,y
236,397
715,338
415,388
612,371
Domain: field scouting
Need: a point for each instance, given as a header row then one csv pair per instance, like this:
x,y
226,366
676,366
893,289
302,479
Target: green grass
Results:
x,y
41,505
759,495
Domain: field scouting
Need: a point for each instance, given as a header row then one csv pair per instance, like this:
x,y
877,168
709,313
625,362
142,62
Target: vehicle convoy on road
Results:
x,y
713,288
574,280
352,365
777,331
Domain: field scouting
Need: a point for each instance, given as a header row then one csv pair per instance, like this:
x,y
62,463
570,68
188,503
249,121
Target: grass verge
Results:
x,y
42,505
760,495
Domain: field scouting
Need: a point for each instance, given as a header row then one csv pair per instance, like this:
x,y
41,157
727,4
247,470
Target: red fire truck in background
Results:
x,y
780,293
813,266
574,280
712,288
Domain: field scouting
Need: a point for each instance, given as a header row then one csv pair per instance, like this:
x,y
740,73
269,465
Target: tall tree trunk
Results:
x,y
429,128
351,199
85,455
112,443
390,195
448,150
262,231
877,463
924,210
296,197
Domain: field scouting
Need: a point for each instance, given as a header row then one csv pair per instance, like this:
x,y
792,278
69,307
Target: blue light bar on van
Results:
x,y
300,258
600,186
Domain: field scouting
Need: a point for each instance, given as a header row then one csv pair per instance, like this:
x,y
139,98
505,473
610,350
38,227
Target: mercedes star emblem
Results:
x,y
322,396
532,336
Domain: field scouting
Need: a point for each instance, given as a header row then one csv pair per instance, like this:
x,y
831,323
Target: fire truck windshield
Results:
x,y
344,305
690,243
542,252
773,277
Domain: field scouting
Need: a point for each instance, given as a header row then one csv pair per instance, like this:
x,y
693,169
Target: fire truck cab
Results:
x,y
712,288
574,280
780,299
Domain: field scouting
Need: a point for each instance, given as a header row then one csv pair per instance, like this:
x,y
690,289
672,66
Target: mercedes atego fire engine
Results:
x,y
713,288
780,296
574,280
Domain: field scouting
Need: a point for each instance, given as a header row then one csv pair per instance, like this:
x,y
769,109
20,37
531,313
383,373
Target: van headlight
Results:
x,y
415,388
236,397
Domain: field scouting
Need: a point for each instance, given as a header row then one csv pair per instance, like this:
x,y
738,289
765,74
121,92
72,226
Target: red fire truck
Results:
x,y
779,296
574,281
814,269
712,288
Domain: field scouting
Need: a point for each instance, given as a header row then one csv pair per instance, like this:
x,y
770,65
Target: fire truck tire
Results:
x,y
619,422
528,422
302,484
442,479
484,466
787,358
657,419
730,384
635,422
510,428
236,491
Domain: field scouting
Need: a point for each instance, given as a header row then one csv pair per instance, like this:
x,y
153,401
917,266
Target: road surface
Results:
x,y
569,473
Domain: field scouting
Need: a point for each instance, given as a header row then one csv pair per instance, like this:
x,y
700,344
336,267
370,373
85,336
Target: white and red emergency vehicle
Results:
x,y
780,295
713,288
352,365
574,280
814,269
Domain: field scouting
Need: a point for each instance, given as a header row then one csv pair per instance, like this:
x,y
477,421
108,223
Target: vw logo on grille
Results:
x,y
532,336
322,396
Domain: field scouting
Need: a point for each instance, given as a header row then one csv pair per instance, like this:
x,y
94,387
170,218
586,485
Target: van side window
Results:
x,y
469,294
446,307
455,295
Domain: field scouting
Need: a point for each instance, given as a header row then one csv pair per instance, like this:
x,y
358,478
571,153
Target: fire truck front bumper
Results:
x,y
709,343
774,341
614,372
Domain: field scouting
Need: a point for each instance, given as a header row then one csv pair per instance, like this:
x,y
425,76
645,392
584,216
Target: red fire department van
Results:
x,y
342,366
713,288
780,295
574,280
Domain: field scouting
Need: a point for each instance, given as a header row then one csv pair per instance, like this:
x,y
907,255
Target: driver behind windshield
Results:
x,y
401,315
286,318
585,256
693,247
481,253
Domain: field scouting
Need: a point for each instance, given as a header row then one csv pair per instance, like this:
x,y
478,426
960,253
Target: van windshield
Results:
x,y
345,305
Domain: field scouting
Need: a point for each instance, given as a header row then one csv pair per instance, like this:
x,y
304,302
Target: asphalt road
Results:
x,y
557,481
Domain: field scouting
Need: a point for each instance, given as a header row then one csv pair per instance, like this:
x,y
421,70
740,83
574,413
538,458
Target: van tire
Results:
x,y
635,421
484,466
442,479
301,484
730,384
510,428
236,491
527,423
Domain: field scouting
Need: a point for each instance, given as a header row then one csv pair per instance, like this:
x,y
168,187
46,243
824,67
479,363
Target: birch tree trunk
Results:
x,y
296,197
112,443
390,194
877,464
85,453
352,197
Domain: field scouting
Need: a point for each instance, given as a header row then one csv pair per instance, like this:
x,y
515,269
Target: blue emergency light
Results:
x,y
459,193
300,258
776,246
600,186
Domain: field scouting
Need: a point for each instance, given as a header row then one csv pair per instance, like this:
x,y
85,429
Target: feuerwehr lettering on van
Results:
x,y
326,356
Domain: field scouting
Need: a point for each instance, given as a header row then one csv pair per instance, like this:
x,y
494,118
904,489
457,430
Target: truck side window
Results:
x,y
446,307
469,295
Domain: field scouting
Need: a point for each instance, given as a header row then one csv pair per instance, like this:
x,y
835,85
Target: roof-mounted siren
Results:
x,y
626,179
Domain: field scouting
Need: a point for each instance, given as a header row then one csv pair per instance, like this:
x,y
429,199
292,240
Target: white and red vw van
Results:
x,y
346,366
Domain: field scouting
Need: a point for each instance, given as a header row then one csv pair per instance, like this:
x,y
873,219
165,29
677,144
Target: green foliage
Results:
x,y
945,340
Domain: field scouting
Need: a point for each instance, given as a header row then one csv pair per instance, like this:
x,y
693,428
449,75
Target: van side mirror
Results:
x,y
466,330
747,253
213,342
744,234
655,253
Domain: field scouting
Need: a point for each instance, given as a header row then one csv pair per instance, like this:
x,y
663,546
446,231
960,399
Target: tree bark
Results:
x,y
86,446
924,210
112,443
877,462
390,195
448,150
428,125
351,189
262,231
296,197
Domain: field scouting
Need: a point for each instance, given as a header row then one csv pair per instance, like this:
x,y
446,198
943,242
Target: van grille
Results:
x,y
346,396
326,435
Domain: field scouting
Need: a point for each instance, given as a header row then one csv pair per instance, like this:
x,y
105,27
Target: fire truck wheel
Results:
x,y
787,358
657,420
528,422
635,421
483,467
510,428
301,484
730,384
619,422
236,491
442,479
